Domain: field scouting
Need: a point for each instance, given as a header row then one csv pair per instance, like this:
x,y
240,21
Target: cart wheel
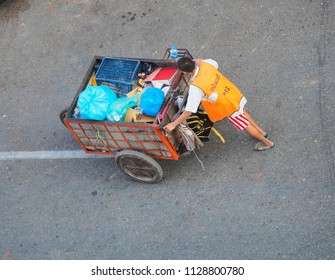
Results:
x,y
139,166
62,115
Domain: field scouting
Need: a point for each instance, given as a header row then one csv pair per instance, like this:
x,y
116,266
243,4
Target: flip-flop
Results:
x,y
260,147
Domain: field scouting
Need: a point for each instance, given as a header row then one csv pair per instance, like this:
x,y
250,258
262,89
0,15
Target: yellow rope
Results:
x,y
218,134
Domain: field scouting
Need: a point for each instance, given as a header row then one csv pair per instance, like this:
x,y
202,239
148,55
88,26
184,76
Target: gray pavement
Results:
x,y
277,204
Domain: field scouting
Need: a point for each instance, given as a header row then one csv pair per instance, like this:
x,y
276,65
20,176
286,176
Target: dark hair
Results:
x,y
186,64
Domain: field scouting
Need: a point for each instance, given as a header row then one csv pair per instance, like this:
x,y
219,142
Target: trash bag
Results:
x,y
94,102
151,101
147,68
118,109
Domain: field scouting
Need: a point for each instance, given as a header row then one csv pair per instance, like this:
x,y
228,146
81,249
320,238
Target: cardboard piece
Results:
x,y
130,117
131,93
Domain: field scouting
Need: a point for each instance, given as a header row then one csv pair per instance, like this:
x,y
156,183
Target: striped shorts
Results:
x,y
239,119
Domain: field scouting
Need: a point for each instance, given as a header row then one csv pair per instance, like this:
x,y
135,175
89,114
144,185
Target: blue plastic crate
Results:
x,y
118,73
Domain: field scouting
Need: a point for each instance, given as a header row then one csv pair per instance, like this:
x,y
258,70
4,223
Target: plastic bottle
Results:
x,y
174,53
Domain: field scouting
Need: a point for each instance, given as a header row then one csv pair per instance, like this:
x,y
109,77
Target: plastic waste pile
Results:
x,y
103,103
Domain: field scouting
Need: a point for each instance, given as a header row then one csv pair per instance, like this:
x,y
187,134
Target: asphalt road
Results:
x,y
277,204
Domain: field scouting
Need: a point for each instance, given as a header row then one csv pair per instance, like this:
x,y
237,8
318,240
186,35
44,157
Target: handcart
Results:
x,y
135,145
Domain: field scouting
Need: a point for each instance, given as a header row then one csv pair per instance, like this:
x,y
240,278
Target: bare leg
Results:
x,y
254,132
254,124
257,132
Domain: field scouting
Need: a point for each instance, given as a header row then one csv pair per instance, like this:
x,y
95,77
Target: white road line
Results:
x,y
47,155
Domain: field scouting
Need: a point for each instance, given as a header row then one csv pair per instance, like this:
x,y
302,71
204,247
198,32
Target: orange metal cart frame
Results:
x,y
110,138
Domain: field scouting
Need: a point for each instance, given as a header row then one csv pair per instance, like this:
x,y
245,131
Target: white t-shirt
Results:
x,y
195,94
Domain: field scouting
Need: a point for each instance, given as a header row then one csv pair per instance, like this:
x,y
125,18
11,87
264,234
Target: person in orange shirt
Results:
x,y
219,97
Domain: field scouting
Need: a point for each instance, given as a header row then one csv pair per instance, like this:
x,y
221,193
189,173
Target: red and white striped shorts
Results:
x,y
239,121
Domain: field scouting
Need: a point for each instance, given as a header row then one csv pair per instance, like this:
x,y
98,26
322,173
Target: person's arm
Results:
x,y
183,117
193,102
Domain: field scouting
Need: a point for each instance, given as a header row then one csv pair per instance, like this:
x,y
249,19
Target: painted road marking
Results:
x,y
47,155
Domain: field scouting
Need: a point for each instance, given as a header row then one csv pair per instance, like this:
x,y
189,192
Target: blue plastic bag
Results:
x,y
94,102
118,109
151,101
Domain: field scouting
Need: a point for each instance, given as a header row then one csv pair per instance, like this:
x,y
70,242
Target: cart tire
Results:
x,y
62,115
139,166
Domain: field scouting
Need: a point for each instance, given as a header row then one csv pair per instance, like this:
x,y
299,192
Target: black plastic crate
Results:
x,y
119,74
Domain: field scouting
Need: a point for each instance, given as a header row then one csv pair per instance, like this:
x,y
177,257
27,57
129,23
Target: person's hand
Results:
x,y
182,118
169,127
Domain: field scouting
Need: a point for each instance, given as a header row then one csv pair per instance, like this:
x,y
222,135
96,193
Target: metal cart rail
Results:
x,y
133,144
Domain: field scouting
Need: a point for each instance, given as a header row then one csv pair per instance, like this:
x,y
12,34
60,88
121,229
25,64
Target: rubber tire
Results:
x,y
141,163
62,115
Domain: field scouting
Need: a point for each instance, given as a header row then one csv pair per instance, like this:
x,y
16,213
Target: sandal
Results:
x,y
260,147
